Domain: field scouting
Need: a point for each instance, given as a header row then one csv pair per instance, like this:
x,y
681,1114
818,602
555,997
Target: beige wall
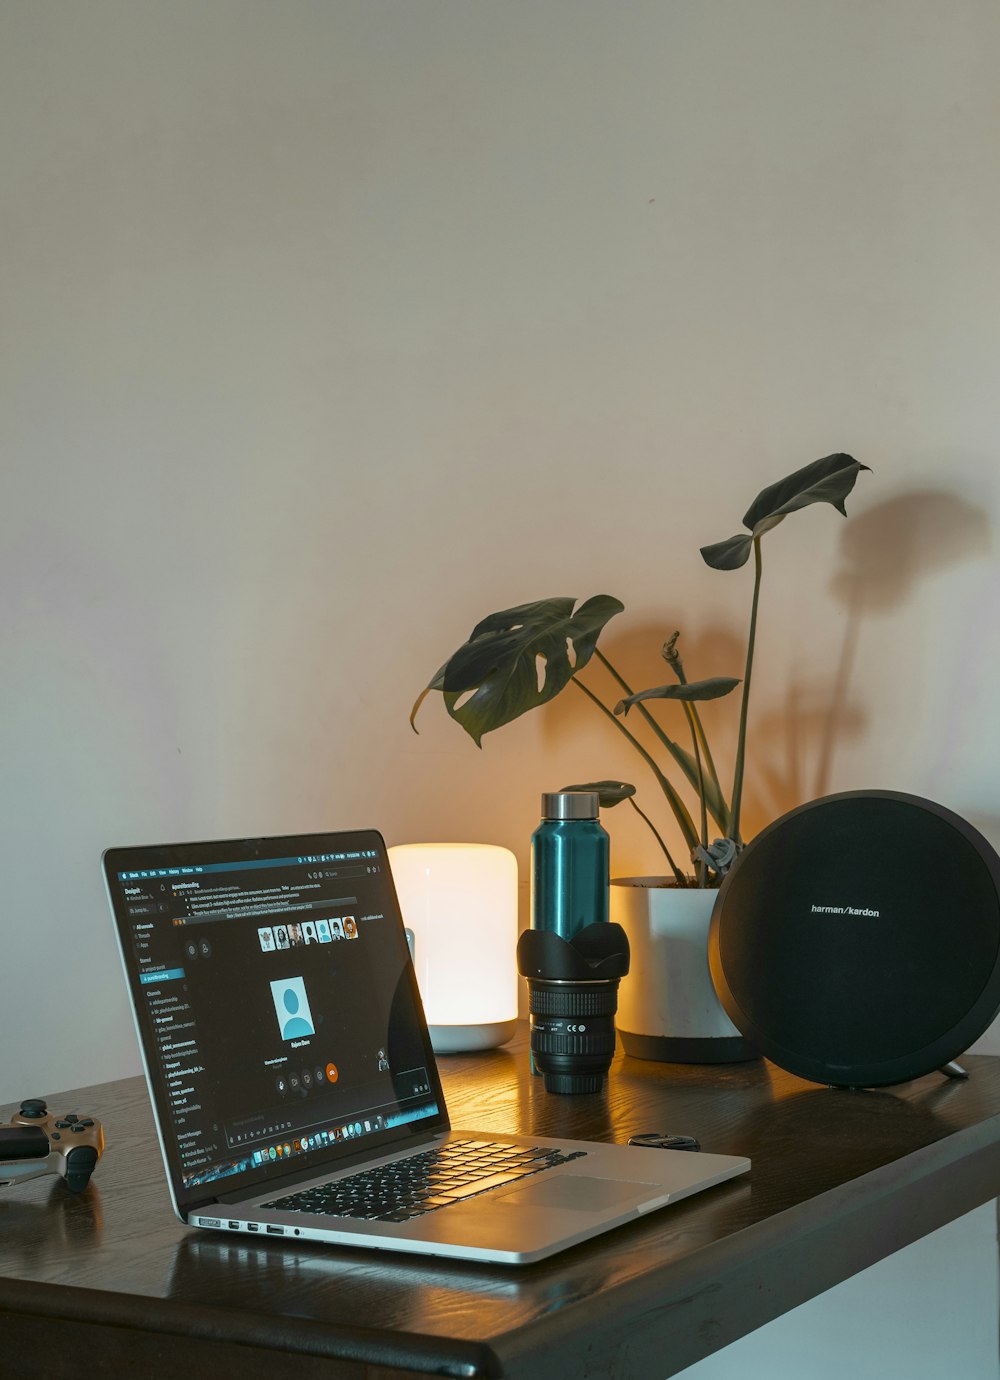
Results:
x,y
328,328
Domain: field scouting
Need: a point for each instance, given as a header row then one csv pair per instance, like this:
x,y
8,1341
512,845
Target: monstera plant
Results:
x,y
524,657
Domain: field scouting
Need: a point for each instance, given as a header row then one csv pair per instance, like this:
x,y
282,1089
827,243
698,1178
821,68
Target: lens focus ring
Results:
x,y
573,999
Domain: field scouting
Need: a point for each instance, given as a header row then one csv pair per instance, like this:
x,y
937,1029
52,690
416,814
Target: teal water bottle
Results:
x,y
569,864
572,991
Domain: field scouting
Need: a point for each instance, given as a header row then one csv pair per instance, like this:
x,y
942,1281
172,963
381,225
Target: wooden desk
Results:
x,y
111,1281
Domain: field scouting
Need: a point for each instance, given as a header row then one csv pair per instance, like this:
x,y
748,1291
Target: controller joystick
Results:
x,y
36,1142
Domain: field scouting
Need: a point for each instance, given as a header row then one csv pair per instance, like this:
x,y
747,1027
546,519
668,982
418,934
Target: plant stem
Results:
x,y
678,874
742,741
640,706
673,799
700,867
695,719
668,743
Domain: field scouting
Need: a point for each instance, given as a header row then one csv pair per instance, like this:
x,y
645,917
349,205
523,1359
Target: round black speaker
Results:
x,y
856,941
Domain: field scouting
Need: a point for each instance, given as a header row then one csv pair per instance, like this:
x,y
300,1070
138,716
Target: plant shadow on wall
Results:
x,y
884,555
521,658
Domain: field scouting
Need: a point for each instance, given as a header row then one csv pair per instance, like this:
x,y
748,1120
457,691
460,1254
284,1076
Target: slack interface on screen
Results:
x,y
281,1007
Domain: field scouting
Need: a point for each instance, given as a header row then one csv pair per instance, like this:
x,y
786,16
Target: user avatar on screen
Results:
x,y
291,1006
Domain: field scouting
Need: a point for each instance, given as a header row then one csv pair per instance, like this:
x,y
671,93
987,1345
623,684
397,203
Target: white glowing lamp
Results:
x,y
459,900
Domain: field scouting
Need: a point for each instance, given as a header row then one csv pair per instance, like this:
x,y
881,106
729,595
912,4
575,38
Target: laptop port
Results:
x,y
275,1231
234,1226
253,1226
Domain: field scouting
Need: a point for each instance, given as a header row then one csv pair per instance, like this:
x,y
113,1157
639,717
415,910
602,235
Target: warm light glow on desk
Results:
x,y
460,902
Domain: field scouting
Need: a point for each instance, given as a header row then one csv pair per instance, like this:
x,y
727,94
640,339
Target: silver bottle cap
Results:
x,y
570,805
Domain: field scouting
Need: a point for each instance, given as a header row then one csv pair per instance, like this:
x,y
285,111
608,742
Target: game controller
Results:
x,y
36,1142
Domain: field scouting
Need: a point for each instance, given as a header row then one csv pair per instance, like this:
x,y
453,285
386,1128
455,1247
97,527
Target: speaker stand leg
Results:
x,y
953,1070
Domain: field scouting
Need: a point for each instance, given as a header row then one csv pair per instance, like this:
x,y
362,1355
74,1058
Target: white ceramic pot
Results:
x,y
667,1006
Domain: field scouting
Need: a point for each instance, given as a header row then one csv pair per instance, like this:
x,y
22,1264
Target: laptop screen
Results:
x,y
276,1005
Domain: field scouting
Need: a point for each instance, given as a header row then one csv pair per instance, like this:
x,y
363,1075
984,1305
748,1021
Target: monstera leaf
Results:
x,y
518,659
824,481
609,793
693,690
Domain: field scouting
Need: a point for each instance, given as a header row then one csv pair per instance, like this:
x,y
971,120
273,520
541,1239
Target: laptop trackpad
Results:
x,y
575,1191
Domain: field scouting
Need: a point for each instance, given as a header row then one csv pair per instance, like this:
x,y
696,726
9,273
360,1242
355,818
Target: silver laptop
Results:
x,y
293,1084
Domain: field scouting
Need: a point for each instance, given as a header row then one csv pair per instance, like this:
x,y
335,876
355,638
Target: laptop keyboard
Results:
x,y
423,1183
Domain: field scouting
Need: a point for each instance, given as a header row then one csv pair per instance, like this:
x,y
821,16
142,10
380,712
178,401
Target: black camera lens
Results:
x,y
572,998
573,1033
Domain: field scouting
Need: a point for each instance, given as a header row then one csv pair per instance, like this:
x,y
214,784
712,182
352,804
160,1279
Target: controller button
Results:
x,y
62,1124
55,1136
34,1106
78,1127
87,1121
71,1116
